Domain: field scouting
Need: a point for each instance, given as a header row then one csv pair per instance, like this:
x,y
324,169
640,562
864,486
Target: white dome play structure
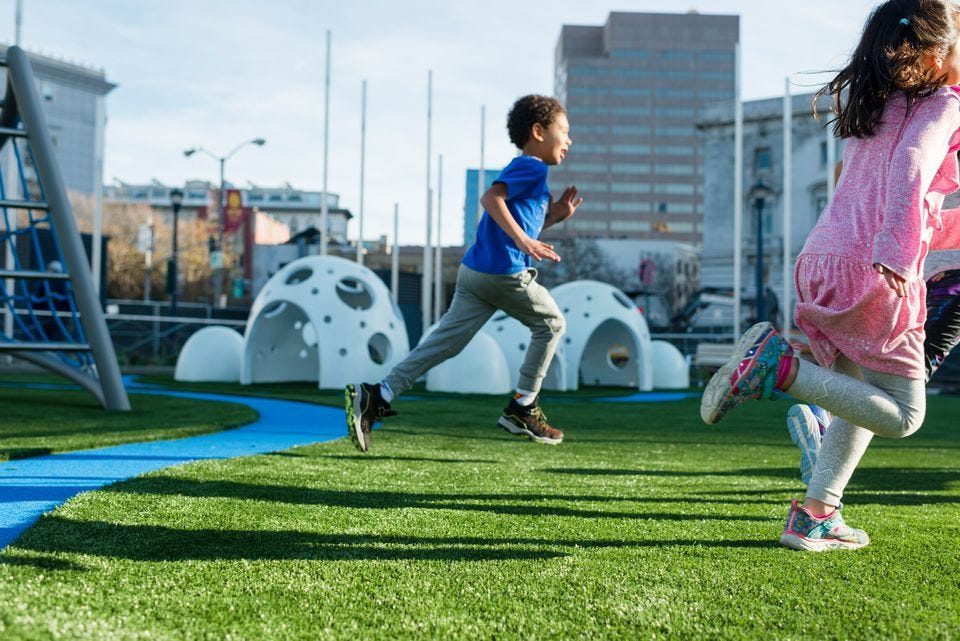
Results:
x,y
324,319
607,340
513,337
481,368
671,370
211,354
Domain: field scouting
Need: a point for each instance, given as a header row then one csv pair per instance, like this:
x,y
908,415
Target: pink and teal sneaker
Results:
x,y
804,531
751,373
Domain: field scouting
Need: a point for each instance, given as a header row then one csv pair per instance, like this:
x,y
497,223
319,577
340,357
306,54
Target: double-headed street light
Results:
x,y
218,277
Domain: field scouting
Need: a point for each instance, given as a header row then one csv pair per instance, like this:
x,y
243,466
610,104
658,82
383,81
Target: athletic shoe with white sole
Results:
x,y
529,421
365,408
751,373
804,531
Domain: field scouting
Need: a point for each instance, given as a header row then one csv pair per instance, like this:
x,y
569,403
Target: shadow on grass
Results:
x,y
778,472
867,484
162,544
14,453
370,457
506,504
40,562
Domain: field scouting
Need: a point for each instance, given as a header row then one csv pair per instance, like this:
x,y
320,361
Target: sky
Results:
x,y
216,73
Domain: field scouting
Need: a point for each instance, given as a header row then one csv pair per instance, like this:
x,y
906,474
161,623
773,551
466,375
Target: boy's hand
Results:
x,y
565,206
896,283
537,249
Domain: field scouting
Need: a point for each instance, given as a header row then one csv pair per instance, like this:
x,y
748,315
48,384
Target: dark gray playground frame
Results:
x,y
106,383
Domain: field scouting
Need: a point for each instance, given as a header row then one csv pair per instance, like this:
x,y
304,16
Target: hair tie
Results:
x,y
904,21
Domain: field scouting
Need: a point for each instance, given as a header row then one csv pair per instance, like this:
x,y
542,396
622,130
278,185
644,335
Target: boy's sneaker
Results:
x,y
365,408
529,421
806,431
751,373
804,531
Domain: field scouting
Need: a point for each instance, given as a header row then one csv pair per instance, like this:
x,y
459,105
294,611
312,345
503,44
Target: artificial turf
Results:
x,y
643,524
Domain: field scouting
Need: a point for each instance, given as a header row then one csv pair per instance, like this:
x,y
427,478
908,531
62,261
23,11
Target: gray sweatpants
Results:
x,y
476,298
864,402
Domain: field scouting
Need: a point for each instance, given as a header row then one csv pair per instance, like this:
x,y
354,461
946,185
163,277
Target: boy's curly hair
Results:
x,y
528,111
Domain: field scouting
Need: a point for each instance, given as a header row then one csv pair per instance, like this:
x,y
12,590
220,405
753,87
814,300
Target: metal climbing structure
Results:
x,y
51,314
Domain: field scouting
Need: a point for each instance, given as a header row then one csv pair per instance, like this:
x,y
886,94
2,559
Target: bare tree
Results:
x,y
126,265
582,259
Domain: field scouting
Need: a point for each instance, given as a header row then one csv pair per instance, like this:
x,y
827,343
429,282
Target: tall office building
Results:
x,y
633,89
74,104
471,205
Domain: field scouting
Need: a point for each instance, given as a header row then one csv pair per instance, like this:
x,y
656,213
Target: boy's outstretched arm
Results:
x,y
563,208
494,201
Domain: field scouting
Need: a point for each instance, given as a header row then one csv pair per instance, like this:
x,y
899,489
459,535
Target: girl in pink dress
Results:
x,y
860,289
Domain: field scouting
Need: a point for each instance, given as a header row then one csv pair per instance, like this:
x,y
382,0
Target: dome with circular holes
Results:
x,y
211,354
324,319
607,340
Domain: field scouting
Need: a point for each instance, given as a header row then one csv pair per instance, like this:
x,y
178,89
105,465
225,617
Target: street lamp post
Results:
x,y
176,199
760,193
222,160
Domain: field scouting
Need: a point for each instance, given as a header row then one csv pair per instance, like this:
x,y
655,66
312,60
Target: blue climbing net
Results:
x,y
43,309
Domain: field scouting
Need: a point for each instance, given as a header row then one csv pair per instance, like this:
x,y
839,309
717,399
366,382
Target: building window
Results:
x,y
761,159
820,202
629,225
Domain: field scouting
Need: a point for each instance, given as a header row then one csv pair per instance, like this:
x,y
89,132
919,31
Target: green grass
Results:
x,y
41,421
644,524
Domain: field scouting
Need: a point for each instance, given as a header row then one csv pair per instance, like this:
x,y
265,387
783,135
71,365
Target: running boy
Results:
x,y
496,274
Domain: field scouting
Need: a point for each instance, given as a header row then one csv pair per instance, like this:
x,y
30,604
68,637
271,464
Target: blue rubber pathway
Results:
x,y
30,487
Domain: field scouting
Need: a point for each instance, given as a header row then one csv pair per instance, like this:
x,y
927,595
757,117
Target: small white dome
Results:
x,y
211,354
670,368
480,368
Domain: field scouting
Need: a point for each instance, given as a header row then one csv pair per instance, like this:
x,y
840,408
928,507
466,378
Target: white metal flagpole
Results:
x,y
438,263
19,23
787,210
324,207
395,257
482,174
737,191
363,147
426,284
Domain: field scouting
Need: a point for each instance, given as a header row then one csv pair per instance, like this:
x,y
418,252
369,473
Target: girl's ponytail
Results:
x,y
891,57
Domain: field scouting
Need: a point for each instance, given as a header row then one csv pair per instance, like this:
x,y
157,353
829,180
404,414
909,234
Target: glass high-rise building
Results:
x,y
471,205
74,105
633,89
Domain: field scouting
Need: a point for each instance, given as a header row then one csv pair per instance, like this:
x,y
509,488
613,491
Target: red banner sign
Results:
x,y
234,213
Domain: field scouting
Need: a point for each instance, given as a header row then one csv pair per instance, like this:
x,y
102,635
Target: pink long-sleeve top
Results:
x,y
886,209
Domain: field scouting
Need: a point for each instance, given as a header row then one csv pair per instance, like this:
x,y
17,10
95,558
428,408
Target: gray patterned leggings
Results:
x,y
864,402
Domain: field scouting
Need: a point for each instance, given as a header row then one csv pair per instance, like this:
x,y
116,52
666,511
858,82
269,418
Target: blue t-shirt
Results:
x,y
494,252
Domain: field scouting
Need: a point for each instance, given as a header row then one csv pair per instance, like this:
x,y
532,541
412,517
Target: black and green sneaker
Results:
x,y
365,408
529,421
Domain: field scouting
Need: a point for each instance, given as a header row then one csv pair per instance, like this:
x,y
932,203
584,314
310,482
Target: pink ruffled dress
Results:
x,y
886,209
